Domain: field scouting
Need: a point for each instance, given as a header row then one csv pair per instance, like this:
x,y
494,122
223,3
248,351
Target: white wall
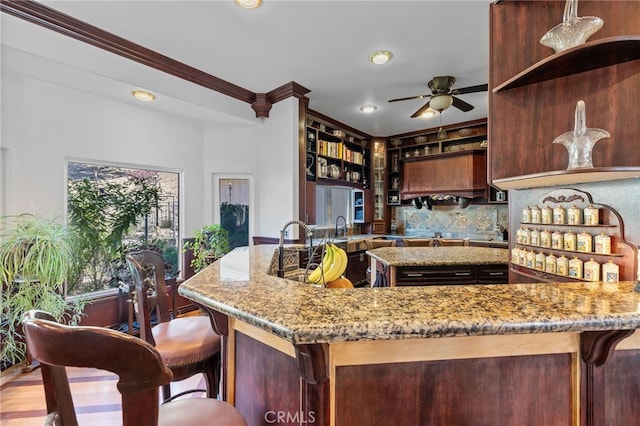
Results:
x,y
47,124
44,124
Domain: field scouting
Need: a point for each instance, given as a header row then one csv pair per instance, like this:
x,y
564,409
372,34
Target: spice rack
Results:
x,y
610,224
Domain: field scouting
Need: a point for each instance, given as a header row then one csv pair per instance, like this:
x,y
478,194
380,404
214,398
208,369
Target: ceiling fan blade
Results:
x,y
419,112
462,105
410,97
471,89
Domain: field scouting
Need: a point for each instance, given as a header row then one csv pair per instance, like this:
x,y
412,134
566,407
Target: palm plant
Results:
x,y
35,254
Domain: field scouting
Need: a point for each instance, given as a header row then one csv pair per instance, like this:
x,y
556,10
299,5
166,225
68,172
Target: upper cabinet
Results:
x,y
334,157
535,92
449,160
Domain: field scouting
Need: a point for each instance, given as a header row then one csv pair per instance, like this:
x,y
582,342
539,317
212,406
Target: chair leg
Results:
x,y
212,377
166,391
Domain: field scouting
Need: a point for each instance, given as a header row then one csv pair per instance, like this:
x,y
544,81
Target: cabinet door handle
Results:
x,y
496,273
412,275
462,274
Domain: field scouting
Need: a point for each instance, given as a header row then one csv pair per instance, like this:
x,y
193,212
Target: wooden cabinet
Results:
x,y
451,275
334,157
451,161
462,173
357,267
535,92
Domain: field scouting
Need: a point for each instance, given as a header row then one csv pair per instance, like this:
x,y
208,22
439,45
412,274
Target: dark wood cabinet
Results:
x,y
451,275
462,173
357,267
604,73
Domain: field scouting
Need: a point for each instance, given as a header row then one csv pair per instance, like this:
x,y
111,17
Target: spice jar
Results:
x,y
570,241
546,215
591,215
575,268
541,262
522,257
585,241
610,272
526,236
557,240
603,244
531,259
574,215
562,266
592,270
515,254
526,215
535,237
559,215
551,264
536,214
545,238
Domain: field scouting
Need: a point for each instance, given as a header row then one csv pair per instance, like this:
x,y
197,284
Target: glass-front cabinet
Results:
x,y
379,186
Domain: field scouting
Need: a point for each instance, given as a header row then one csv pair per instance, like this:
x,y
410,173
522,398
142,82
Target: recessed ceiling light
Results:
x,y
249,4
368,108
380,57
141,95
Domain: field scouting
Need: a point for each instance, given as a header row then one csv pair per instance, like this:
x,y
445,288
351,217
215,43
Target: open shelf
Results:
x,y
567,177
589,56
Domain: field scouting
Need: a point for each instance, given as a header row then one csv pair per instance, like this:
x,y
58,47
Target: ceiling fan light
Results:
x,y
441,102
249,4
368,109
380,57
428,113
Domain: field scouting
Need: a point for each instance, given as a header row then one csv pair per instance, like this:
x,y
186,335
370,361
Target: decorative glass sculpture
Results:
x,y
580,141
573,31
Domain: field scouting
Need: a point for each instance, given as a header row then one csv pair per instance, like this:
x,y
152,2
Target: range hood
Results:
x,y
459,174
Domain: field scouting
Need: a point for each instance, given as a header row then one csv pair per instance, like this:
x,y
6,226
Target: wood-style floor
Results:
x,y
96,398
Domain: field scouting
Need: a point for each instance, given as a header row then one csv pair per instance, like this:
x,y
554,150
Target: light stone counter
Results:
x,y
239,287
440,256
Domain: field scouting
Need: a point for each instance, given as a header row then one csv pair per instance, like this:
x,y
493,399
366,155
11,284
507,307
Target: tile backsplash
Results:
x,y
477,222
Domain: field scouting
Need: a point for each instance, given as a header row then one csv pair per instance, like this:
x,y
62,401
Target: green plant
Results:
x,y
101,214
210,243
35,255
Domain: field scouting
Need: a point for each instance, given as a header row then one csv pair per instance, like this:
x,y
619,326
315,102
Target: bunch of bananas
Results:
x,y
333,265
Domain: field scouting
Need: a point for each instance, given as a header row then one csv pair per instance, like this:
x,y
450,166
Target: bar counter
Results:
x,y
535,350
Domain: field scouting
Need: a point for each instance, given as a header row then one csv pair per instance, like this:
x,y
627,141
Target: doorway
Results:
x,y
233,198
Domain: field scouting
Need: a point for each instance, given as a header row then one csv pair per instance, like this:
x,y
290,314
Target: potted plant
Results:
x,y
35,255
210,243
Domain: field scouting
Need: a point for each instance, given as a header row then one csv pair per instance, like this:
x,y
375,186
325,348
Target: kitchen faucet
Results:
x,y
345,226
281,243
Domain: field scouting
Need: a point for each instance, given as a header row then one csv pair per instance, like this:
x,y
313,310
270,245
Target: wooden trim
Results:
x,y
291,89
336,123
69,26
263,336
413,350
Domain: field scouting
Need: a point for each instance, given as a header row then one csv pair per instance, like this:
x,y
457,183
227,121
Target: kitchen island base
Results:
x,y
524,379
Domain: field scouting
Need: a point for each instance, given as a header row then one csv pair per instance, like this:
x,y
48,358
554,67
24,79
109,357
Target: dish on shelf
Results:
x,y
396,142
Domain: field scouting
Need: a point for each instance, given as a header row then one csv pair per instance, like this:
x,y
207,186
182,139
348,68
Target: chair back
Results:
x,y
373,243
417,242
138,365
147,272
450,242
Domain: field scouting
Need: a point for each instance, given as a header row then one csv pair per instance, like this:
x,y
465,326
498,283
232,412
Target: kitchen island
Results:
x,y
517,354
440,265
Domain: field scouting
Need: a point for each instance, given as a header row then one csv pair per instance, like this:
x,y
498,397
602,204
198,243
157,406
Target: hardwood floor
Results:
x,y
96,398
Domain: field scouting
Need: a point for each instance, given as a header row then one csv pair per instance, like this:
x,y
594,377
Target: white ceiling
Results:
x,y
322,45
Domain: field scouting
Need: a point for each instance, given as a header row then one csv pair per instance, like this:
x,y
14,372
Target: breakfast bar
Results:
x,y
526,354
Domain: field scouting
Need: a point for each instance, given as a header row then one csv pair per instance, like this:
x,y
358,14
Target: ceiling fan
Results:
x,y
442,96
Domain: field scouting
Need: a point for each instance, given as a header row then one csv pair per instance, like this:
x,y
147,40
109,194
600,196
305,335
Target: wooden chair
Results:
x,y
188,345
140,369
417,242
373,243
450,242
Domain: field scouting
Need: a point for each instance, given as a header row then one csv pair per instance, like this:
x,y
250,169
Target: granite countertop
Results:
x,y
440,256
238,285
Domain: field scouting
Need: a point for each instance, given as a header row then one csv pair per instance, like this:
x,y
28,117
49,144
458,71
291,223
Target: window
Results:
x,y
331,202
114,209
